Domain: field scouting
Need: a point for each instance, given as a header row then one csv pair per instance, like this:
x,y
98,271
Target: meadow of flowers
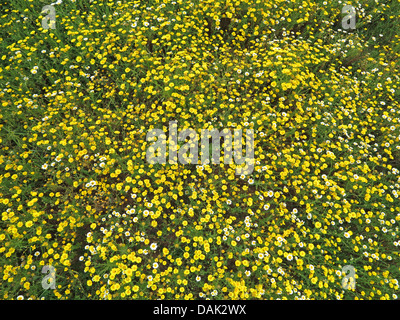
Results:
x,y
76,191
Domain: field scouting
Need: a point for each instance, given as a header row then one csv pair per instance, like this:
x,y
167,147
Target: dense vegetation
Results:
x,y
77,193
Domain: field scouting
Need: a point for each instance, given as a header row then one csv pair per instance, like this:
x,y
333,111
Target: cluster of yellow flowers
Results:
x,y
77,193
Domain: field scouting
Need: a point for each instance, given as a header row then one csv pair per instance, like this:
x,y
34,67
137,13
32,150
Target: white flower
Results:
x,y
153,246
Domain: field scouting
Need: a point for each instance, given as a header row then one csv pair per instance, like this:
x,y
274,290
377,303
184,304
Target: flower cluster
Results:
x,y
77,193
